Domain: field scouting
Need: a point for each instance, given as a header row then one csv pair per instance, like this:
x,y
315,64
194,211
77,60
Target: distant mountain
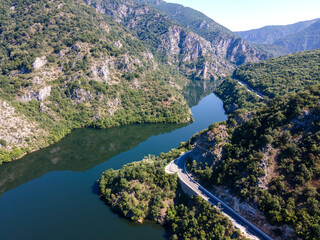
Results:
x,y
270,34
307,39
281,40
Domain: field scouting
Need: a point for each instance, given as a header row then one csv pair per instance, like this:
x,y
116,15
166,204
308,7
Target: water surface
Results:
x,y
51,193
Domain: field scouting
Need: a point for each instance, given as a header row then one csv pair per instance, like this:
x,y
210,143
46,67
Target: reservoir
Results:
x,y
52,193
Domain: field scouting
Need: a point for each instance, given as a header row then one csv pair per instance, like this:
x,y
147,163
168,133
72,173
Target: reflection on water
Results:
x,y
79,151
198,89
52,193
86,148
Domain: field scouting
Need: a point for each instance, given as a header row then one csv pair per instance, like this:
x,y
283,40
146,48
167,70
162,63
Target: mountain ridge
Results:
x,y
306,39
283,39
271,33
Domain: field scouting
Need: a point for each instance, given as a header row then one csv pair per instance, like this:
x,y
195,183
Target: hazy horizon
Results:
x,y
252,14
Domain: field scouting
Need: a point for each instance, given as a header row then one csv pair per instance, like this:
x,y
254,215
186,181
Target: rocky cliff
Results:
x,y
72,63
196,55
225,43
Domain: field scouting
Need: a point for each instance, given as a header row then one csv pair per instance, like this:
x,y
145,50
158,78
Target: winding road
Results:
x,y
249,88
179,166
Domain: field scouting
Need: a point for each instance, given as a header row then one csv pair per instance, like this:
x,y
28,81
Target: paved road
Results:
x,y
250,89
179,166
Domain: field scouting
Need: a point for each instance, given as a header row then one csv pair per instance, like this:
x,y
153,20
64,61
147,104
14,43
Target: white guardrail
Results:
x,y
265,236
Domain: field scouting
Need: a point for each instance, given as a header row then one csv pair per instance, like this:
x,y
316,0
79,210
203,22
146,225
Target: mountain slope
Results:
x,y
270,160
271,78
144,191
270,34
63,66
264,163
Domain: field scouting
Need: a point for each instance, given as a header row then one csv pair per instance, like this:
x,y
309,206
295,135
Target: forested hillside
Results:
x,y
70,63
237,97
271,159
282,75
264,161
63,65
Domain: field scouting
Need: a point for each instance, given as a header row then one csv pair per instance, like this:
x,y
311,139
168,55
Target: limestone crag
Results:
x,y
195,55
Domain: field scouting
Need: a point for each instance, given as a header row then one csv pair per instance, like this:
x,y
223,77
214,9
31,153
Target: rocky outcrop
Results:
x,y
101,71
41,95
80,95
251,212
16,129
39,62
197,54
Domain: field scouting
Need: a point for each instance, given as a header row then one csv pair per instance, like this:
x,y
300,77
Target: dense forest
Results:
x,y
142,190
64,65
272,159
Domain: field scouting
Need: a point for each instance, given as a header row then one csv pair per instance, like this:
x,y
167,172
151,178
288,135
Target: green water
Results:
x,y
52,194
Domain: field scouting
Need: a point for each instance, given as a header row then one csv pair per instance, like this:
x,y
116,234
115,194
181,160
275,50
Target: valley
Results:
x,y
148,119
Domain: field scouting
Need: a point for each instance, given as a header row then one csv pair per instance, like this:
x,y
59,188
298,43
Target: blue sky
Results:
x,y
238,15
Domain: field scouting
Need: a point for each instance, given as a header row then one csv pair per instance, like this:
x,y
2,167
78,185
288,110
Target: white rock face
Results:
x,y
37,80
32,95
80,95
112,106
44,93
101,72
147,56
39,62
118,44
104,72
